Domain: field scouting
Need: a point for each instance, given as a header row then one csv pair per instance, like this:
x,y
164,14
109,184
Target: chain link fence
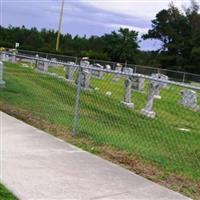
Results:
x,y
153,118
180,76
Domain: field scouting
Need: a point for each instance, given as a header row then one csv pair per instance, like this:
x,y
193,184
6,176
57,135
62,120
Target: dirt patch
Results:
x,y
173,181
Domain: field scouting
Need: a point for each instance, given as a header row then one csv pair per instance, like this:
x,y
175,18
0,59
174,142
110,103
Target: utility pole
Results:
x,y
59,26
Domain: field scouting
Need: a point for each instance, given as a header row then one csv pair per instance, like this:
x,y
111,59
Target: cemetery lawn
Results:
x,y
170,142
5,194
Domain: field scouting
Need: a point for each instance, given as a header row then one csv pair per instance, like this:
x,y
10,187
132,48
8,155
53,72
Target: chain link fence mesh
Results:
x,y
172,74
156,122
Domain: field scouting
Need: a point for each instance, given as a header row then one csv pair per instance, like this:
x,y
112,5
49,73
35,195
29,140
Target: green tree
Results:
x,y
179,33
121,46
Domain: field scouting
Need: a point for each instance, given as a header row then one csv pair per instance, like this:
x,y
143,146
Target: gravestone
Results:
x,y
69,70
154,87
42,65
53,62
127,93
85,78
137,83
108,67
189,99
84,74
128,70
3,56
117,69
98,74
2,82
46,64
84,63
13,57
164,78
7,57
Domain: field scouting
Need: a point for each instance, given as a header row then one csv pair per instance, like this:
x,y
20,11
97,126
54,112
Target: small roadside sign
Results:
x,y
16,44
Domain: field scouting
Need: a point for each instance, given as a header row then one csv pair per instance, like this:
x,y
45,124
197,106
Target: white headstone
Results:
x,y
13,57
117,69
3,56
46,64
53,62
108,67
96,73
84,75
2,82
163,84
69,70
154,88
189,99
85,78
42,65
84,63
128,70
137,83
127,93
7,57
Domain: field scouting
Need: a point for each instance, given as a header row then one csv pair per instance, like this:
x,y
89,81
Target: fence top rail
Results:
x,y
167,70
40,52
39,59
185,85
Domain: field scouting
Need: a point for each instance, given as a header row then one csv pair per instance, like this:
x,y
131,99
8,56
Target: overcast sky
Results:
x,y
86,17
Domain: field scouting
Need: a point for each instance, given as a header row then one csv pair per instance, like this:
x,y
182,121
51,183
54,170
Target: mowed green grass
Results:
x,y
104,120
5,194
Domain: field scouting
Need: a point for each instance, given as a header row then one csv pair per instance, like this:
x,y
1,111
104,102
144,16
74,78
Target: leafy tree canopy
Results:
x,y
179,32
121,45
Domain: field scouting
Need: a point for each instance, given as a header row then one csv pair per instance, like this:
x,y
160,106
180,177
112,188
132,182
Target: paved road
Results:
x,y
37,166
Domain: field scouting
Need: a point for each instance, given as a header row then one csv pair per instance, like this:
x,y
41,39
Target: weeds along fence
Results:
x,y
151,118
180,76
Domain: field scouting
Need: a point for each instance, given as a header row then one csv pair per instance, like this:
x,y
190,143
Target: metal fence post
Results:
x,y
183,77
76,60
113,66
36,60
77,101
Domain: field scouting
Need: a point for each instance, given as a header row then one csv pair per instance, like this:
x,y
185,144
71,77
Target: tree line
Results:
x,y
179,32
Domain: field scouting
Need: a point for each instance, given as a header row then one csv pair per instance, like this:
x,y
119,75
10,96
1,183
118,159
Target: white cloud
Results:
x,y
134,28
146,9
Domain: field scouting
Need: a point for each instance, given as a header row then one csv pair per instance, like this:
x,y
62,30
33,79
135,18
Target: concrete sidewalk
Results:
x,y
37,166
